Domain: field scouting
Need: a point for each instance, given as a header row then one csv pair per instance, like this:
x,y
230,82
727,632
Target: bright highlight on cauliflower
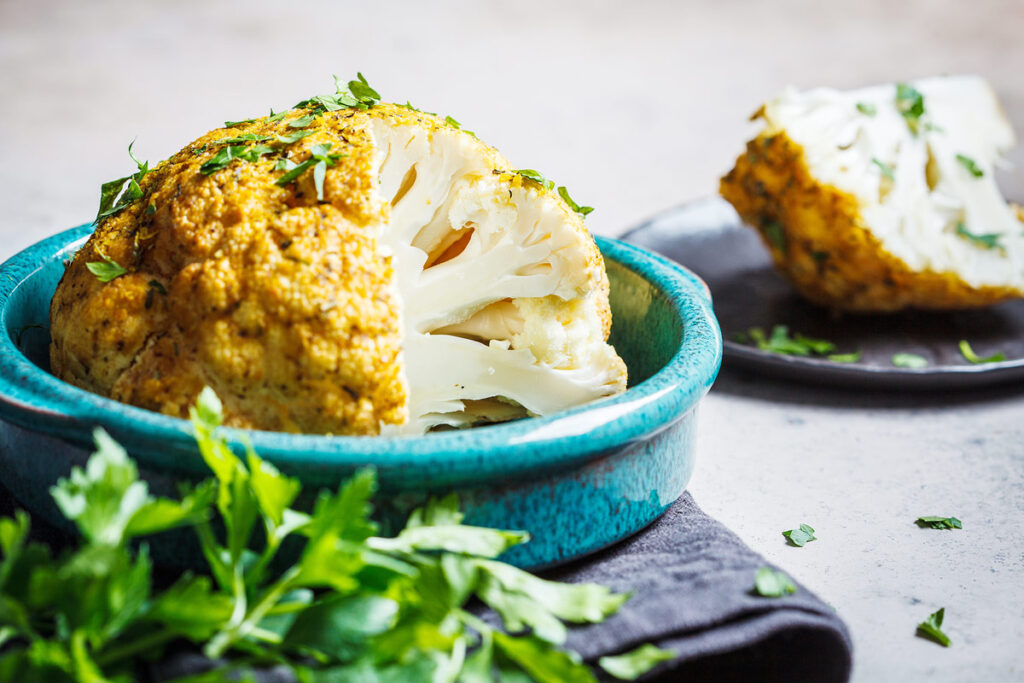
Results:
x,y
885,198
346,267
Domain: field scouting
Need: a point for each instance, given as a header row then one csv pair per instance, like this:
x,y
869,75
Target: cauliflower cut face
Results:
x,y
504,296
407,281
885,197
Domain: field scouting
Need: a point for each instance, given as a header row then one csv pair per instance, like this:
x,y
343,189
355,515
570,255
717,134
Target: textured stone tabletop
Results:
x,y
636,107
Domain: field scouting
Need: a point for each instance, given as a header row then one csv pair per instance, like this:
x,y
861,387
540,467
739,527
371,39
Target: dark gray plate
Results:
x,y
708,237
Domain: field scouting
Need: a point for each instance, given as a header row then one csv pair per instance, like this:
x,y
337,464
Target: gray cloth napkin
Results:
x,y
692,582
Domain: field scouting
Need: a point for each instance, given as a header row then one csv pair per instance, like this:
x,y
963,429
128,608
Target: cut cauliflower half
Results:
x,y
884,198
504,295
339,269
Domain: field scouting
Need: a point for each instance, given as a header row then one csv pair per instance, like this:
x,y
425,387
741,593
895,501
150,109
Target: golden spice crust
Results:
x,y
818,241
284,305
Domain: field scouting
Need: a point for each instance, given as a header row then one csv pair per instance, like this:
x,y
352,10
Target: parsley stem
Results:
x,y
140,645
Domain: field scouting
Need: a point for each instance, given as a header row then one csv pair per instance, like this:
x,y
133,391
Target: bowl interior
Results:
x,y
645,331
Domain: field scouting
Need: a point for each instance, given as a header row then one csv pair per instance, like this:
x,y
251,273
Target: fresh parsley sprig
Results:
x,y
228,154
115,195
351,605
107,269
931,628
801,536
971,357
772,583
986,241
936,522
910,104
780,341
547,184
319,160
970,165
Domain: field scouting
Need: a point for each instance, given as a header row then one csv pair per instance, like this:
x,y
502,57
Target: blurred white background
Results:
x,y
635,106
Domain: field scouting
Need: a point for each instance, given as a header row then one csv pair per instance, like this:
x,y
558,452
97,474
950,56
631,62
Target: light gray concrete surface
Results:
x,y
635,106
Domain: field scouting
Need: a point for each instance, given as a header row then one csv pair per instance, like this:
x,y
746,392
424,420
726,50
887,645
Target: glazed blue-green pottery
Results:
x,y
578,481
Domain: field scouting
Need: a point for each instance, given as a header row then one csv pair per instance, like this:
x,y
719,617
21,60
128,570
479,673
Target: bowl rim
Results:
x,y
34,399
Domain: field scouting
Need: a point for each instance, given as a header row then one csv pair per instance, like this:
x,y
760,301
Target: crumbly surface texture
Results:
x,y
291,306
819,242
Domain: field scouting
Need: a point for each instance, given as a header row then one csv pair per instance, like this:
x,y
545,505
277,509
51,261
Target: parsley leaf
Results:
x,y
106,270
631,665
536,177
114,196
781,342
772,583
775,233
583,211
909,360
986,241
455,124
302,121
228,154
852,357
933,522
910,104
232,124
931,628
867,108
320,159
362,91
800,537
970,356
886,170
293,137
237,139
969,164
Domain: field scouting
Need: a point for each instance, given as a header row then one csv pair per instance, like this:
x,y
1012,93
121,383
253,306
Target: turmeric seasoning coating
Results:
x,y
282,303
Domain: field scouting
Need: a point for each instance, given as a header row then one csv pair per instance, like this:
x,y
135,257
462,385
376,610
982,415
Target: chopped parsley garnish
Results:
x,y
781,342
293,137
631,665
302,121
199,150
969,164
909,360
151,209
910,103
775,234
240,139
284,164
232,124
581,210
115,195
986,241
320,159
931,628
971,357
362,91
885,168
800,537
232,152
357,95
867,108
408,105
154,287
771,583
852,357
107,269
536,177
458,126
933,522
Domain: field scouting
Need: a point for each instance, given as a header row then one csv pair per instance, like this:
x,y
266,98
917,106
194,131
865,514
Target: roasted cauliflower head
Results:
x,y
343,269
884,198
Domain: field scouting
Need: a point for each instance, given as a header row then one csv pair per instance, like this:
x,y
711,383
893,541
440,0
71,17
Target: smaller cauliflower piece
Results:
x,y
884,198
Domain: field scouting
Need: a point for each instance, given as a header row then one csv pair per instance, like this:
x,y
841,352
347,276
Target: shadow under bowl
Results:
x,y
578,481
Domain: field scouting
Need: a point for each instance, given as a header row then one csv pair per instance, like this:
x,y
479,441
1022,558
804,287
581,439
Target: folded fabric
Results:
x,y
692,582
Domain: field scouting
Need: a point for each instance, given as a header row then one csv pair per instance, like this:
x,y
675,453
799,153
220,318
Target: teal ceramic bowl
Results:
x,y
578,481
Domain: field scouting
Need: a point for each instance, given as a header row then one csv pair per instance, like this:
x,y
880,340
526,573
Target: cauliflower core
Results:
x,y
430,286
884,198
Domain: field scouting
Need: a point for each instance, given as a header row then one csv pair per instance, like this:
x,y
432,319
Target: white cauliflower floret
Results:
x,y
503,293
